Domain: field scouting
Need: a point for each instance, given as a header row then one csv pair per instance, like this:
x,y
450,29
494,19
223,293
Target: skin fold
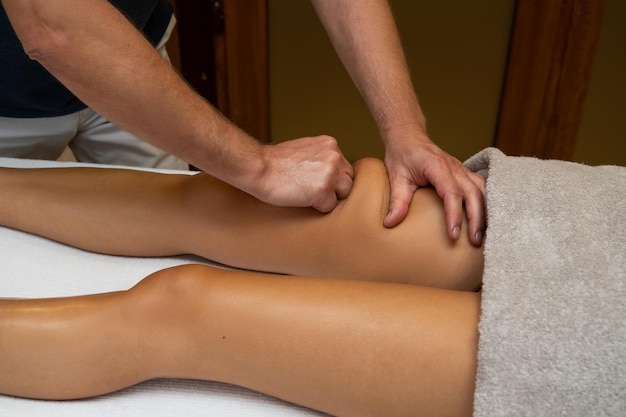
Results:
x,y
356,328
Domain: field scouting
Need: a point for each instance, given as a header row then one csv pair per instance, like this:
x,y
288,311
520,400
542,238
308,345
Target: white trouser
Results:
x,y
90,137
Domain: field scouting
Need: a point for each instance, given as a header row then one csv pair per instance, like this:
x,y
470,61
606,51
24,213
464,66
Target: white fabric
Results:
x,y
90,137
31,266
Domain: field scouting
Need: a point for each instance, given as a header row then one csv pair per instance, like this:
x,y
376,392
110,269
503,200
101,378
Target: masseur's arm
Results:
x,y
146,214
366,39
97,53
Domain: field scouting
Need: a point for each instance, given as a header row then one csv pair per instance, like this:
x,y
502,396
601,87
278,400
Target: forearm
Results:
x,y
96,52
344,347
366,39
367,42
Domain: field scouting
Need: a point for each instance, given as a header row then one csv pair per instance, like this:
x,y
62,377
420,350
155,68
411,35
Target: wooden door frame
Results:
x,y
242,60
551,53
223,54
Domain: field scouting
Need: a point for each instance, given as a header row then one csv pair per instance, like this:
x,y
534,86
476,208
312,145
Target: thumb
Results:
x,y
401,196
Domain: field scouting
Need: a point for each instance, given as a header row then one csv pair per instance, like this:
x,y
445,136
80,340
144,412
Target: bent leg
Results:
x,y
349,348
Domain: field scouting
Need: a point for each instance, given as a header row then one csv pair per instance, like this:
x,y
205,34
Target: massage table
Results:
x,y
34,267
553,313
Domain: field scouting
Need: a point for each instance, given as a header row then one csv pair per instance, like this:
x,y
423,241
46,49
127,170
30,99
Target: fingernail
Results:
x,y
479,236
456,232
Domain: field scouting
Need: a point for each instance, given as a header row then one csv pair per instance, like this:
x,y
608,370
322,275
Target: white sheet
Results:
x,y
31,266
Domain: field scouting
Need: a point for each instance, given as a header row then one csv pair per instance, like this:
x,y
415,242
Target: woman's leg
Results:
x,y
145,214
349,348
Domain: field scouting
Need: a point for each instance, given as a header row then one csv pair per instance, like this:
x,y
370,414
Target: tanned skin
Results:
x,y
355,328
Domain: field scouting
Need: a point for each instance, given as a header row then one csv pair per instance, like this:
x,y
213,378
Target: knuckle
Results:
x,y
455,191
440,160
327,140
326,205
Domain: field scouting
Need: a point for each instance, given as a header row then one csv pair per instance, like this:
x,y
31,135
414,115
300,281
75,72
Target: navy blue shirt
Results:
x,y
28,90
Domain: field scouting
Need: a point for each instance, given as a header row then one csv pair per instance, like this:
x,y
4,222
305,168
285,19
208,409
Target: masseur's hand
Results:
x,y
414,161
305,172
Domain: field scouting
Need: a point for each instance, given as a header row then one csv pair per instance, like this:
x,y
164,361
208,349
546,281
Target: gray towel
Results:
x,y
553,321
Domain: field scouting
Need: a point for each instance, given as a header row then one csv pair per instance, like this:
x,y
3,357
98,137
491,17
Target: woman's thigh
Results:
x,y
350,348
228,226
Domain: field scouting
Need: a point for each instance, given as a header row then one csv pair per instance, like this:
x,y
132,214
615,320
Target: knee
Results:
x,y
175,289
176,280
166,312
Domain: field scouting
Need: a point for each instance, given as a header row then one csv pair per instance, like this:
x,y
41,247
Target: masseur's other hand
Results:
x,y
415,161
306,172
